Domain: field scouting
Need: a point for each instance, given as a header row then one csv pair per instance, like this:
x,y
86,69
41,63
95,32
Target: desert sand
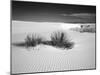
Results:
x,y
47,58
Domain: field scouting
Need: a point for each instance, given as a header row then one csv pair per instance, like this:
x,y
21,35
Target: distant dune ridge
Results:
x,y
18,25
91,28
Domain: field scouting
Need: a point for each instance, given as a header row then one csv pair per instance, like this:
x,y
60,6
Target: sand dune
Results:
x,y
47,58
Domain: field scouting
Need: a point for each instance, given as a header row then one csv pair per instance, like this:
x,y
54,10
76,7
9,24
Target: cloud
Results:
x,y
65,14
80,17
84,15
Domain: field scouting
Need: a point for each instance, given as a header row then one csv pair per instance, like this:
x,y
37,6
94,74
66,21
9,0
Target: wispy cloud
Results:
x,y
80,15
65,14
84,15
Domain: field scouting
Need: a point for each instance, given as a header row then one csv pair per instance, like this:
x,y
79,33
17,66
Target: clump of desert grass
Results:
x,y
33,40
85,28
61,39
90,30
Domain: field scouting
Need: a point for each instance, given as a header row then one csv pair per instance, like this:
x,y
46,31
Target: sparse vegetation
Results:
x,y
90,30
33,40
85,28
59,39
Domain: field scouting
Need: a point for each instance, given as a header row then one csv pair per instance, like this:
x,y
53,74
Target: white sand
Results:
x,y
46,58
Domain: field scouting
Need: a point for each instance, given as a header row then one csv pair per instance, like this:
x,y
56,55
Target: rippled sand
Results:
x,y
47,58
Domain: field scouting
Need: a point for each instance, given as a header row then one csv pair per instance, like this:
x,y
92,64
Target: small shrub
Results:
x,y
33,40
91,30
60,39
85,28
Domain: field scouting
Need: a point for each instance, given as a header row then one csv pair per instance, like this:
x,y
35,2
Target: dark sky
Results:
x,y
51,12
